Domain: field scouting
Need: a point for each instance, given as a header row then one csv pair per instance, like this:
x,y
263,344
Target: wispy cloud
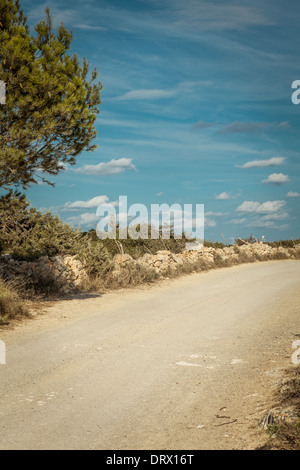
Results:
x,y
71,17
187,86
167,17
276,178
293,194
110,168
192,16
204,125
274,161
250,127
88,27
146,94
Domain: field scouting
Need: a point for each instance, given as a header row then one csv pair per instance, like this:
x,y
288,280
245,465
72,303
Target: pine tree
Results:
x,y
51,99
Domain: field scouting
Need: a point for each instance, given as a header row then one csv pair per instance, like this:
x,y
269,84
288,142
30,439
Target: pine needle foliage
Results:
x,y
51,100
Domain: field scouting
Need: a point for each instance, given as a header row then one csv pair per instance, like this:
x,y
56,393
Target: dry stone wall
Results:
x,y
69,273
165,263
66,272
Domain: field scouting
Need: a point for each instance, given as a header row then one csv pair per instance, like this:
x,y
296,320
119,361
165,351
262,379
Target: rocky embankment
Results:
x,y
70,274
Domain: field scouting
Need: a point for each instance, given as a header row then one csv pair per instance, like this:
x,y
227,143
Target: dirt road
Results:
x,y
186,364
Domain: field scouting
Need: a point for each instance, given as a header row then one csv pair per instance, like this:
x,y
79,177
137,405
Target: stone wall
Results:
x,y
69,274
66,272
165,263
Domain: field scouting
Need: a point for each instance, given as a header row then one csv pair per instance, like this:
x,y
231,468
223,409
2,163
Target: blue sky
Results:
x,y
196,108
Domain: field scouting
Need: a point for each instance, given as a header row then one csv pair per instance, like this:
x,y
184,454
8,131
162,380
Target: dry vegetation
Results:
x,y
284,428
11,304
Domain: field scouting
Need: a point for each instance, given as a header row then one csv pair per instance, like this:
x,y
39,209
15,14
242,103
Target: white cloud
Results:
x,y
222,196
264,214
110,168
292,194
261,208
91,203
263,163
276,178
83,219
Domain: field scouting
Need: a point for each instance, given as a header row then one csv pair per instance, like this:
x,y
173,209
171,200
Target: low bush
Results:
x,y
11,304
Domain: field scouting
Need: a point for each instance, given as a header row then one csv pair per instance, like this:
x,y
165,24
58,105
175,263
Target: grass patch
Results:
x,y
285,434
11,304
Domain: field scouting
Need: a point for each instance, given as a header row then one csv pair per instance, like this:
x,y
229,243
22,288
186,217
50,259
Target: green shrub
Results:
x,y
27,234
94,255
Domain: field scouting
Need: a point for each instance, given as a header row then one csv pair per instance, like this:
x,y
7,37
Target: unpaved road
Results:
x,y
186,364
